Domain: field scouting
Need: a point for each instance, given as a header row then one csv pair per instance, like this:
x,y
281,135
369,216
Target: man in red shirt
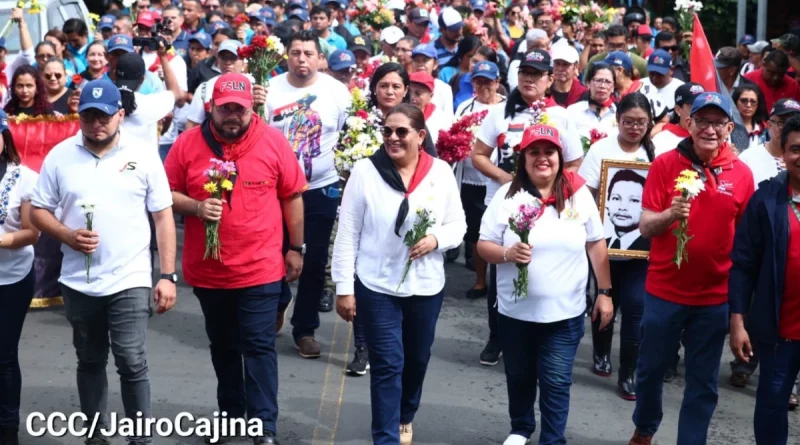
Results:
x,y
771,78
239,293
693,299
766,261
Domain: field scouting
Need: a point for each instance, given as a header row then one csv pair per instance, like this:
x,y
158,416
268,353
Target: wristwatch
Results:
x,y
606,292
170,276
299,249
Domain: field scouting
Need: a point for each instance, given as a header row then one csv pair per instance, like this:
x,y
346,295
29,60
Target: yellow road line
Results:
x,y
330,402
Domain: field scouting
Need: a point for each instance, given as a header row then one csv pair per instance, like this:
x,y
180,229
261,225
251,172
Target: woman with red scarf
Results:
x,y
540,330
597,111
396,289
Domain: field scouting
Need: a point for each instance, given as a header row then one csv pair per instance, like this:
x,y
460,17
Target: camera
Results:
x,y
156,36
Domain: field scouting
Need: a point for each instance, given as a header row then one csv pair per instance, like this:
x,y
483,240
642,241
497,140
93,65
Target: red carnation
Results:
x,y
240,20
246,52
77,79
362,114
259,42
595,135
455,144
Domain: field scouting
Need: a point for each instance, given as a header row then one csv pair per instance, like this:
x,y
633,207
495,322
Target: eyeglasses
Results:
x,y
606,82
44,56
57,76
634,124
703,124
672,48
401,132
88,117
232,109
748,101
777,123
531,75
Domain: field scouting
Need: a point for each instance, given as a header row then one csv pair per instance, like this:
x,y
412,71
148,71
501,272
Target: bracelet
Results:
x,y
505,253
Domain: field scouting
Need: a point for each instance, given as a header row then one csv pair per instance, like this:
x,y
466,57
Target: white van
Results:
x,y
54,14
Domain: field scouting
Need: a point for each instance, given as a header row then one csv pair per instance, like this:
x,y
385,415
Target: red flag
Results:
x,y
701,59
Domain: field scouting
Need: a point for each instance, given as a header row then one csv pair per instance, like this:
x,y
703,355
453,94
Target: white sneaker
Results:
x,y
516,439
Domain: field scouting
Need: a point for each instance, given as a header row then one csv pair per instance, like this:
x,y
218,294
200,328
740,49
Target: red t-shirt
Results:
x,y
789,88
251,228
790,304
703,280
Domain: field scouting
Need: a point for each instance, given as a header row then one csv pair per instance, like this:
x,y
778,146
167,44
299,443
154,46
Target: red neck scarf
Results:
x,y
549,102
677,130
633,88
575,182
428,111
388,172
154,67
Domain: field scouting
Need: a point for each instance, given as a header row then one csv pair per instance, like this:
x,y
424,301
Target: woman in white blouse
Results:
x,y
540,333
624,209
379,207
17,236
598,110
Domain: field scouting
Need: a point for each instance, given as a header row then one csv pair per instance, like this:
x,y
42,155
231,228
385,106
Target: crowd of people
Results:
x,y
161,87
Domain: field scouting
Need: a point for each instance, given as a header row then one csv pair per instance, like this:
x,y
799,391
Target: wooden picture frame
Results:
x,y
633,173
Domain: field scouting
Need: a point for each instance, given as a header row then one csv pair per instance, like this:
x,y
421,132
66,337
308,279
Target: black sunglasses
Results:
x,y
402,132
49,76
671,48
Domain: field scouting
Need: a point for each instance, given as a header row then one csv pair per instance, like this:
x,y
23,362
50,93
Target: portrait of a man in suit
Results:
x,y
624,209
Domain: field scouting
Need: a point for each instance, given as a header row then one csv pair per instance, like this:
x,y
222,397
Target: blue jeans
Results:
x,y
704,329
319,206
540,353
163,151
15,299
491,302
627,279
122,317
399,333
240,324
780,364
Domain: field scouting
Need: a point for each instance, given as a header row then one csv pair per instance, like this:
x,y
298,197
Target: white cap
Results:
x,y
392,35
758,46
566,53
230,45
450,18
396,4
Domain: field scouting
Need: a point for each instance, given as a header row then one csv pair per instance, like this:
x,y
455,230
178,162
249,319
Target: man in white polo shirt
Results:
x,y
106,272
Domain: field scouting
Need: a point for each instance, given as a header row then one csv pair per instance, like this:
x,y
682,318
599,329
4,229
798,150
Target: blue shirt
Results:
x,y
336,41
181,44
80,53
444,54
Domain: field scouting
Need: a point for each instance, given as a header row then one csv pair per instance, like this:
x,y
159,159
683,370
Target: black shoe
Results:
x,y
326,301
626,382
671,374
452,254
9,436
475,293
601,344
491,353
360,363
267,438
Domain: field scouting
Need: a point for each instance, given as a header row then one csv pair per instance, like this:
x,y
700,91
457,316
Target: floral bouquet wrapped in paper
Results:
x,y
360,138
689,185
455,144
263,55
371,13
524,209
220,179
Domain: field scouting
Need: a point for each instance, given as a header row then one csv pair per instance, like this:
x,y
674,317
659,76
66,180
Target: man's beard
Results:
x,y
100,143
227,134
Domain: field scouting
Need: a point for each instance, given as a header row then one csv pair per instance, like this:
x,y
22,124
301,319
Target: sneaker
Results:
x,y
406,434
515,439
360,363
793,402
475,293
638,439
739,379
307,347
491,353
670,374
267,438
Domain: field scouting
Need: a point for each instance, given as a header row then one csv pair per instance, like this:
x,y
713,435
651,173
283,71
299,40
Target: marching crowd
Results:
x,y
160,88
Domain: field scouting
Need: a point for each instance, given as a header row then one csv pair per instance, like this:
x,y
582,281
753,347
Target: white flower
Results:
x,y
128,3
511,205
355,123
87,205
693,188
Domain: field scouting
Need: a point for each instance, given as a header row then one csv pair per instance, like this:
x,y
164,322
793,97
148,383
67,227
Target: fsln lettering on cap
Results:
x,y
790,103
697,89
232,86
713,99
534,57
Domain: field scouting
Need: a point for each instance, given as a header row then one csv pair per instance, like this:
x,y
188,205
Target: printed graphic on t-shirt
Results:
x,y
302,126
505,150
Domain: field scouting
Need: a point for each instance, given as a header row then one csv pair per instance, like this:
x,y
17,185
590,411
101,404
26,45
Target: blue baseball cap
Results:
x,y
212,28
202,38
341,59
659,62
298,4
715,100
122,42
3,121
256,15
106,22
100,95
747,39
268,15
425,50
619,58
486,69
300,14
479,5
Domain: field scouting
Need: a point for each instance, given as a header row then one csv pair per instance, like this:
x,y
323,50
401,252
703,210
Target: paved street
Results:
x,y
463,403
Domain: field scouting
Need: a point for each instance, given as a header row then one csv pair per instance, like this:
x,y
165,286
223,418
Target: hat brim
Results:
x,y
718,107
429,87
421,20
201,43
105,108
658,69
572,62
785,112
455,27
486,76
127,49
688,101
544,67
105,27
555,142
723,64
228,50
342,66
246,103
355,48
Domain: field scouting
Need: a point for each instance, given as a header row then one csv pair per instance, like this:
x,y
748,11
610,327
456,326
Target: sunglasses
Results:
x,y
672,48
402,132
56,76
748,101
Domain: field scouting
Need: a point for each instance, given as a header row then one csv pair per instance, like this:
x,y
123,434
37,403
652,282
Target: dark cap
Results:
x,y
539,60
789,42
419,16
785,107
727,57
360,43
633,14
130,72
100,95
687,93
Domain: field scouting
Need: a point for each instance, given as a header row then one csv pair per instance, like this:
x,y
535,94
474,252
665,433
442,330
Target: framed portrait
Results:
x,y
620,205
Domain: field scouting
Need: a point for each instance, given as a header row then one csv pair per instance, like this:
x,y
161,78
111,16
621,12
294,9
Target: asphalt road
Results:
x,y
463,403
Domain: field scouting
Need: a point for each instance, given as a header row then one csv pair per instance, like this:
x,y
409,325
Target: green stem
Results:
x,y
405,272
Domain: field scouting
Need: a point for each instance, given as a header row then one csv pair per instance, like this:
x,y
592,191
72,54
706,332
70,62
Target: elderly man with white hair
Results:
x,y
535,39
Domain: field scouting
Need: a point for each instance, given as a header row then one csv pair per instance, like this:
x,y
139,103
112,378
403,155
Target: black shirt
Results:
x,y
60,105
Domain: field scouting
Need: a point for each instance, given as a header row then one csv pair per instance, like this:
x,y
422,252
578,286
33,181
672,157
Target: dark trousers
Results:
x,y
540,353
704,329
15,299
399,333
319,206
240,324
359,337
780,364
627,279
491,302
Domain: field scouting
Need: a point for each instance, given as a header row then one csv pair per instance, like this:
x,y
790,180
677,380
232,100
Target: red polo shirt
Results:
x,y
789,88
703,280
790,304
251,228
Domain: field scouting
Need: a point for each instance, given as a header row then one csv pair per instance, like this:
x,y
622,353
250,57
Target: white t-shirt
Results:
x,y
143,123
559,268
667,93
177,64
763,165
310,118
666,141
496,124
606,148
442,97
439,120
17,263
125,185
471,175
587,120
179,114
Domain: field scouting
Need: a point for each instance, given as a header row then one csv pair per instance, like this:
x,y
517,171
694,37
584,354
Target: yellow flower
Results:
x,y
227,185
210,187
545,120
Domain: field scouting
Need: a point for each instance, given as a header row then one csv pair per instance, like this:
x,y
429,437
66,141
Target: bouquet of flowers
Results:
x,y
219,181
685,11
570,11
33,8
524,210
425,220
594,136
263,55
371,13
455,144
87,208
538,115
690,185
360,138
596,17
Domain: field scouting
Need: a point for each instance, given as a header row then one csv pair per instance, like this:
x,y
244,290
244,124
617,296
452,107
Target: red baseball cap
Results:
x,y
644,31
233,88
422,78
147,18
537,133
